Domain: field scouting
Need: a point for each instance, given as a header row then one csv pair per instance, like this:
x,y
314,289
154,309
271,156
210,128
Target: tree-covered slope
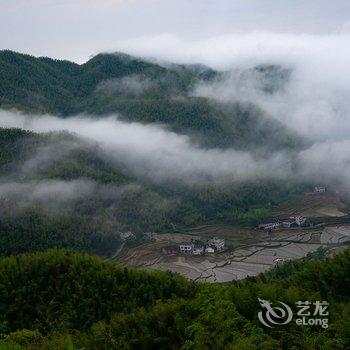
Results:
x,y
47,85
57,190
44,297
140,91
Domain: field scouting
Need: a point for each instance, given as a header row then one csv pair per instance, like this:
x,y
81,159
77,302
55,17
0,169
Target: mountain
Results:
x,y
64,300
63,197
60,191
104,199
141,91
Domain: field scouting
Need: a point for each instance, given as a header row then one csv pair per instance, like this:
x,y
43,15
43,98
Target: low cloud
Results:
x,y
312,100
151,152
129,86
314,103
47,194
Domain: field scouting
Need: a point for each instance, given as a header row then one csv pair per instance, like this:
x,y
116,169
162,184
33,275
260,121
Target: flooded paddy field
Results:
x,y
248,253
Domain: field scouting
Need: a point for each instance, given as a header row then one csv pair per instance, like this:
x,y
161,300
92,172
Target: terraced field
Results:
x,y
249,251
312,205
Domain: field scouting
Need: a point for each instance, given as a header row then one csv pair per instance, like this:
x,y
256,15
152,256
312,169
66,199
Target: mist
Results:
x,y
153,153
130,86
53,196
312,101
150,151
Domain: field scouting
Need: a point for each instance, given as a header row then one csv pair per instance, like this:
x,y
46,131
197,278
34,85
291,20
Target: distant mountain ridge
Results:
x,y
44,85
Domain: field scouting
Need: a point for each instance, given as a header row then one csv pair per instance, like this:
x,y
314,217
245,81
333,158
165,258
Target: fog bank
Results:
x,y
153,153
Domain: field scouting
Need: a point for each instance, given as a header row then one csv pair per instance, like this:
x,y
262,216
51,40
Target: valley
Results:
x,y
174,175
248,251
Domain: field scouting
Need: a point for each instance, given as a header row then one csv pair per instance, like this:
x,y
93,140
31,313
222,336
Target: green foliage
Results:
x,y
59,289
23,337
250,217
64,88
58,299
117,202
109,307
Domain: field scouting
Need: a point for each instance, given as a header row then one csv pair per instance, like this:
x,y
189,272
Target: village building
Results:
x,y
278,261
288,223
217,243
269,225
299,220
209,250
186,247
127,235
320,189
170,250
198,248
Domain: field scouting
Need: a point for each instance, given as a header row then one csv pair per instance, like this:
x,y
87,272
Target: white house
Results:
x,y
299,220
288,223
126,235
209,250
198,248
320,189
186,247
278,261
270,225
217,243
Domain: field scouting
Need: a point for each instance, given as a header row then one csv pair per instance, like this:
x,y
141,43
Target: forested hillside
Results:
x,y
141,91
64,300
58,190
174,175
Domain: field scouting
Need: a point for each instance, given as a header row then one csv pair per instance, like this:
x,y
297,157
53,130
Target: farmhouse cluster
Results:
x,y
292,221
196,247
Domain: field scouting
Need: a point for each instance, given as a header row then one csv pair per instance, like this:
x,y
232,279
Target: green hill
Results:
x,y
32,218
55,299
102,86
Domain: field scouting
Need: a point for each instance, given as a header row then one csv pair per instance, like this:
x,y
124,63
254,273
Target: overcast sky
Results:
x,y
77,29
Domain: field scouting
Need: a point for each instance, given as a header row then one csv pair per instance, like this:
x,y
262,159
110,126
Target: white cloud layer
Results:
x,y
151,151
48,194
154,153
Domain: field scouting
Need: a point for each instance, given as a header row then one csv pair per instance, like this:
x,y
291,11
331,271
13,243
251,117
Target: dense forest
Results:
x,y
64,300
113,200
108,201
62,199
141,91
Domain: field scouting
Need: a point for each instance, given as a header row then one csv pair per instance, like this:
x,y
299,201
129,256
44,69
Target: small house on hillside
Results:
x,y
198,248
278,261
299,220
209,250
296,220
186,247
271,225
217,243
320,189
288,223
127,235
